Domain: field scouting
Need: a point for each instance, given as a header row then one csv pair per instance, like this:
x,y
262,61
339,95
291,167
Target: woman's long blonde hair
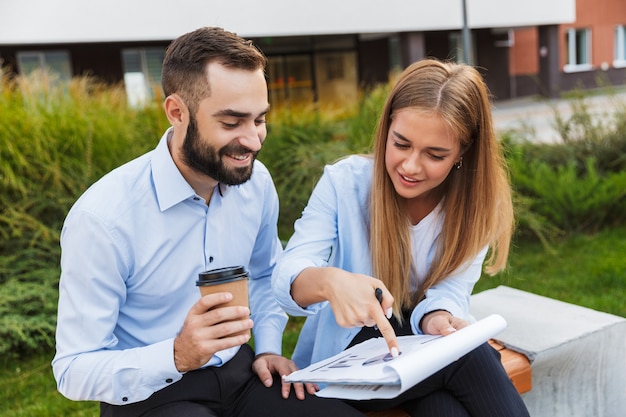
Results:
x,y
477,205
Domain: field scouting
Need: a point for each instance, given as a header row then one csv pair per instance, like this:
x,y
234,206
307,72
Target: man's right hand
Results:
x,y
208,330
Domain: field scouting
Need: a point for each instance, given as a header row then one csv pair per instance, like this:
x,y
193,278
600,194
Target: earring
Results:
x,y
459,163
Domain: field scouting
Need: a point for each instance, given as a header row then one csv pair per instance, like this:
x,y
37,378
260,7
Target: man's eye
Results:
x,y
230,125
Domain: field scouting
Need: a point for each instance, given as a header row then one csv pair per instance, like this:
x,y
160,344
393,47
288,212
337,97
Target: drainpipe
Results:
x,y
466,35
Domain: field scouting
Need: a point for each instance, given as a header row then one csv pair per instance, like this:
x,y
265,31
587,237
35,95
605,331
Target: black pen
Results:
x,y
379,295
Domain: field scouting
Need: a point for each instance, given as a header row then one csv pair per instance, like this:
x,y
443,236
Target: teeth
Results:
x,y
239,157
408,179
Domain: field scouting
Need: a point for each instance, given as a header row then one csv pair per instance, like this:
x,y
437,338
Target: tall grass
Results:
x,y
56,139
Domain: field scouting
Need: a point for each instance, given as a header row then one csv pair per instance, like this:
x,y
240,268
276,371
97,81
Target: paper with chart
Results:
x,y
367,370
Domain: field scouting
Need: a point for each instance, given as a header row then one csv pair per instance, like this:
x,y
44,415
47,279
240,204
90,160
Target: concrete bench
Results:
x,y
577,355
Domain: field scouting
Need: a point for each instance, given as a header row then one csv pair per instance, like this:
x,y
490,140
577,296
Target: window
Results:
x,y
290,79
55,63
578,50
142,74
620,46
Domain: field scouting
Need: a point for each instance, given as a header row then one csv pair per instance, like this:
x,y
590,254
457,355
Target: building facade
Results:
x,y
327,51
587,53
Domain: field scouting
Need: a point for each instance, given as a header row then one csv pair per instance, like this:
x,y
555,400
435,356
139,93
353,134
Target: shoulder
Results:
x,y
350,176
354,165
118,189
351,171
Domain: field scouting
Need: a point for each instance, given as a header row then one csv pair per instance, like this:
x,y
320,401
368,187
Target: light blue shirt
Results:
x,y
333,231
132,248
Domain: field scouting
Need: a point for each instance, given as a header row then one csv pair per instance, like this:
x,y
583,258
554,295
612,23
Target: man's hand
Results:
x,y
267,364
208,330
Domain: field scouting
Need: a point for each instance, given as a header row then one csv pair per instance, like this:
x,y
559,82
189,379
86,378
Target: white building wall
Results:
x,y
68,21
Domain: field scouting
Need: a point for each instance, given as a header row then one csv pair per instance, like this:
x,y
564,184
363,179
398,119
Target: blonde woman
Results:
x,y
419,218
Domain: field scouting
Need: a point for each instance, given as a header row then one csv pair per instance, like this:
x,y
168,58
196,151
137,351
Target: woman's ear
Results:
x,y
176,110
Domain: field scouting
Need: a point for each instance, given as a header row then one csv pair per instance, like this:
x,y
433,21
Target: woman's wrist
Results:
x,y
426,318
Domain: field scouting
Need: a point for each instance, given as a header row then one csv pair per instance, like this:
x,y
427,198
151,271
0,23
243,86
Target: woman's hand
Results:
x,y
352,298
441,322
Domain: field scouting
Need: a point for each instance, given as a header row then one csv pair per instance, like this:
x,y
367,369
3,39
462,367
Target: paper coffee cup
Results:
x,y
232,279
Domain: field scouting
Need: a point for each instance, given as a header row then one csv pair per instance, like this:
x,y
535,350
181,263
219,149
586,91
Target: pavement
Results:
x,y
534,118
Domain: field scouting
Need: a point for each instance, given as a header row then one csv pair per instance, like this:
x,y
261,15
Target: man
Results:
x,y
133,331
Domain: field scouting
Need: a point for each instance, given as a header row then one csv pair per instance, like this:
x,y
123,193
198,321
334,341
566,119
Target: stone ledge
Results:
x,y
577,355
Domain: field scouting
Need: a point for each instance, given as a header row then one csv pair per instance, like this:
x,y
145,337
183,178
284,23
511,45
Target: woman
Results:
x,y
417,219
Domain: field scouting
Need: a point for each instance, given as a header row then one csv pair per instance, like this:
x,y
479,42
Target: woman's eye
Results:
x,y
400,145
437,157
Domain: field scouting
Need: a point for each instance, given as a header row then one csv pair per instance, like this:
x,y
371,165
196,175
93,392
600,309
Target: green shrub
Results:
x,y
56,139
576,185
585,134
299,143
572,202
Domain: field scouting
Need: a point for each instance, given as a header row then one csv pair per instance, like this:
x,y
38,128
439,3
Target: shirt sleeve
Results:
x,y
269,319
452,294
312,245
89,364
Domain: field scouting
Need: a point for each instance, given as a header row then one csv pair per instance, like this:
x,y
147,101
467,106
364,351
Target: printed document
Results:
x,y
367,370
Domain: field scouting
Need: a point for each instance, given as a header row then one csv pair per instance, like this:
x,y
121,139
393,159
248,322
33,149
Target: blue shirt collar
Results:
x,y
170,185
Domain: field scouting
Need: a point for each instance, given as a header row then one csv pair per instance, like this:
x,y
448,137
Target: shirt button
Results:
x,y
169,380
196,198
125,399
210,259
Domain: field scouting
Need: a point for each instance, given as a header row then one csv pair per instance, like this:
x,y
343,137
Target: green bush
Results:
x,y
299,143
576,185
55,140
585,135
570,201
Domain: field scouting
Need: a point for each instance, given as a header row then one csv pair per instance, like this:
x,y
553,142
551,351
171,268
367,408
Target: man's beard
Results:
x,y
204,158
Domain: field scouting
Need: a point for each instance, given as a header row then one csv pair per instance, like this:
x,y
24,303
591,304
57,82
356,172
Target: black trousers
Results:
x,y
475,385
232,390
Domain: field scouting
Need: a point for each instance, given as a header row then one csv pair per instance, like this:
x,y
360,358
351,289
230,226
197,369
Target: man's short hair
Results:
x,y
187,57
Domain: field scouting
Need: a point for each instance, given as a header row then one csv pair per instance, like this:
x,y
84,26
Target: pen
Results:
x,y
379,295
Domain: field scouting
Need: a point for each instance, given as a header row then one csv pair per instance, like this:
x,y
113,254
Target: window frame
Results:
x,y
144,78
619,59
44,57
573,50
